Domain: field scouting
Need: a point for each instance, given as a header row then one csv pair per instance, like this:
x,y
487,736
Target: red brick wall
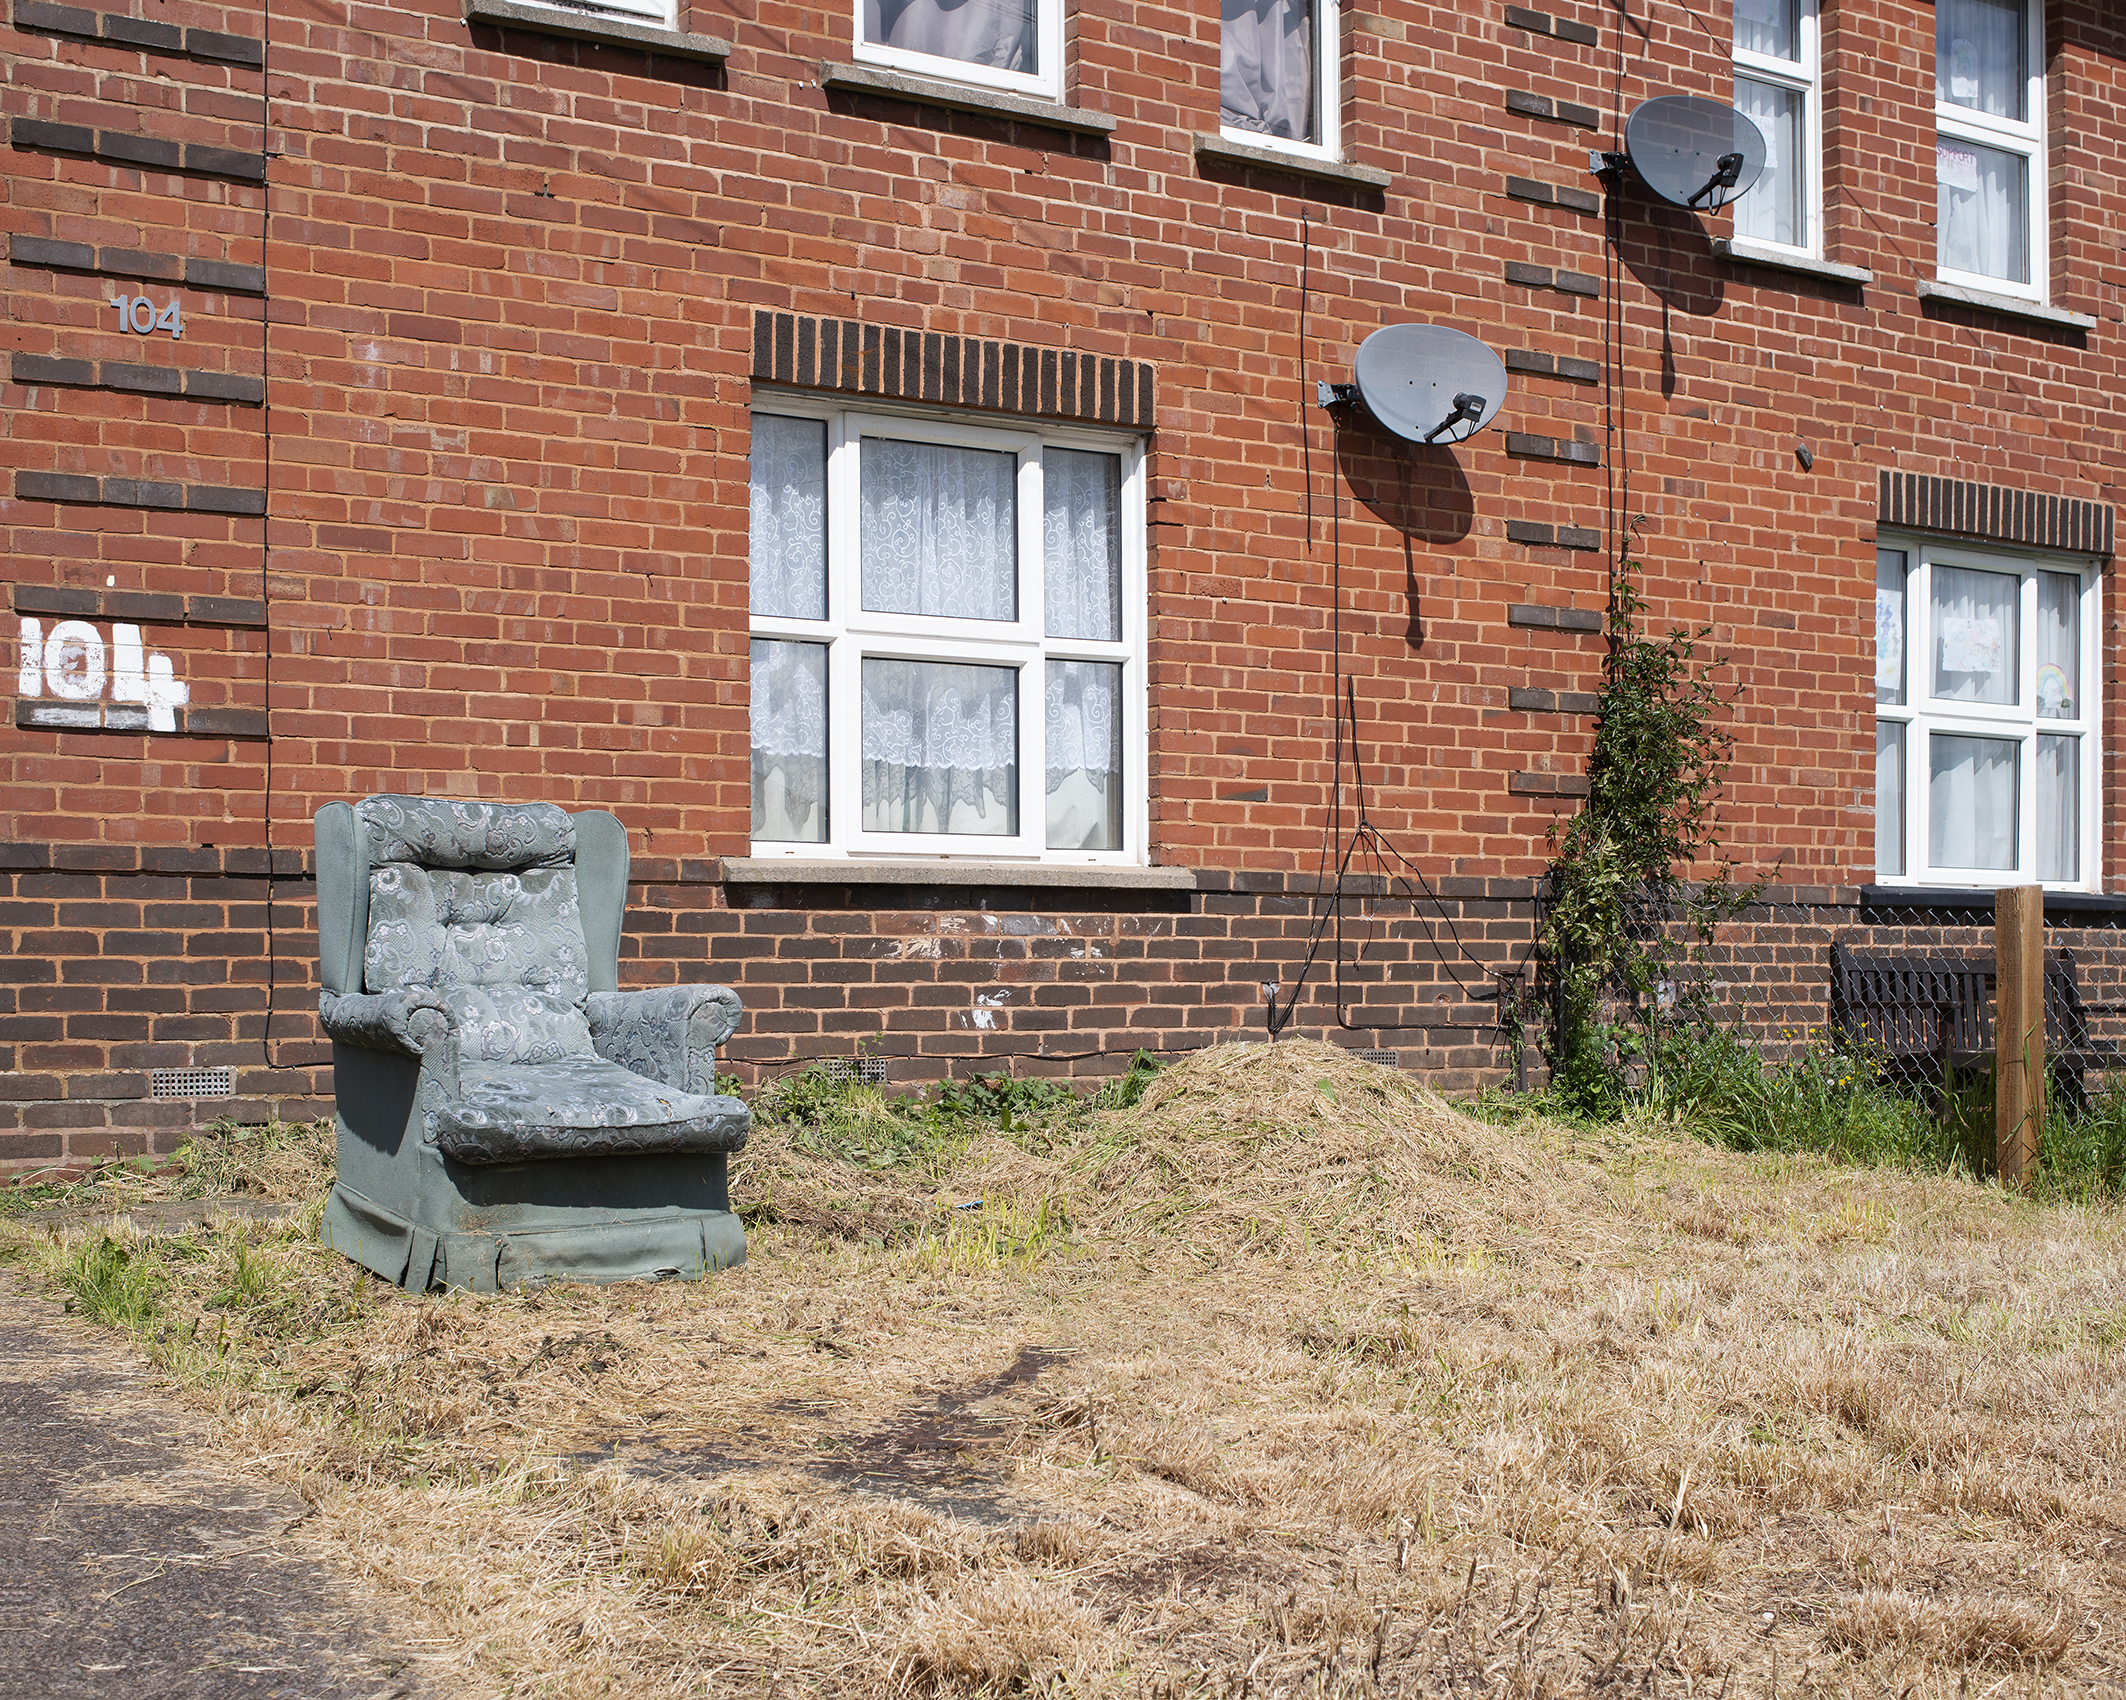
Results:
x,y
511,287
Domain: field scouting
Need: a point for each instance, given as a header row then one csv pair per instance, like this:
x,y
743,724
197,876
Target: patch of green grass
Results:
x,y
1715,1084
847,1121
2082,1153
112,1283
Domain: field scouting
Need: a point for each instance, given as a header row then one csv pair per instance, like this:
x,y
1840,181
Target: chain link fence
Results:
x,y
1905,989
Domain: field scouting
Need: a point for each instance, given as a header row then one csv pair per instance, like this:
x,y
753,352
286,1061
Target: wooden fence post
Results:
x,y
2018,1030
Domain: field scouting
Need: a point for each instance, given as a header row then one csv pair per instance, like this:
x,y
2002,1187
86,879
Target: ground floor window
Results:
x,y
947,638
1986,717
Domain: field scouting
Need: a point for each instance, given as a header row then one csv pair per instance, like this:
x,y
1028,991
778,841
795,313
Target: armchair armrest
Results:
x,y
667,1033
412,1022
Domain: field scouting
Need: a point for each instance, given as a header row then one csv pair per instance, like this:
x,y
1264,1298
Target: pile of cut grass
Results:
x,y
1288,1379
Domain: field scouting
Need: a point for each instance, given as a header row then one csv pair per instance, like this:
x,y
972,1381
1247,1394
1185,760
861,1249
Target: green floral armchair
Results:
x,y
507,1113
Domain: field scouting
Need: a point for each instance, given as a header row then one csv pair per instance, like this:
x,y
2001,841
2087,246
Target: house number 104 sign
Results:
x,y
136,313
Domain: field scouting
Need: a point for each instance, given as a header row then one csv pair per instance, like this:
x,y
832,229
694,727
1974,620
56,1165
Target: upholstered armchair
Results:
x,y
506,1113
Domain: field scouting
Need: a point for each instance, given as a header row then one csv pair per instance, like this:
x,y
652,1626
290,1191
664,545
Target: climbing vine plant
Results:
x,y
1624,865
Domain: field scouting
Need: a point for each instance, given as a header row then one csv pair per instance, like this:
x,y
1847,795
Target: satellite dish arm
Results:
x,y
1726,176
1467,406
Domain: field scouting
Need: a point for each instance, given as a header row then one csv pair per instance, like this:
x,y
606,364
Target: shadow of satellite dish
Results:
x,y
1418,490
1667,249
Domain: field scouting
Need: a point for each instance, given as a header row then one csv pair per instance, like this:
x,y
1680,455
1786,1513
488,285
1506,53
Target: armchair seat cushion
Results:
x,y
578,1107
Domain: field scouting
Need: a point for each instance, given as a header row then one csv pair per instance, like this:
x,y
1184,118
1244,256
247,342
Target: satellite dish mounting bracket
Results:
x,y
1334,395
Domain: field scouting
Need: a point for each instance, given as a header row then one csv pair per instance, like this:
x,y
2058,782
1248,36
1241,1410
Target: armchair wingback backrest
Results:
x,y
480,903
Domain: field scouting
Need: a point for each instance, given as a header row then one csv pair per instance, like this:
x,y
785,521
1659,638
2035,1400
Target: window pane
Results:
x,y
2059,646
2059,791
787,545
1266,68
1984,221
1084,721
1081,524
1773,210
941,530
790,742
1974,635
1889,799
1770,27
1889,625
940,748
1971,802
1978,56
998,34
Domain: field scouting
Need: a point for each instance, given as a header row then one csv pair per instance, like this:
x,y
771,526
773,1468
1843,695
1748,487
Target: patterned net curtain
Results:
x,y
937,740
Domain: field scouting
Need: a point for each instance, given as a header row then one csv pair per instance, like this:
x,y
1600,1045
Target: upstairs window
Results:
x,y
947,639
1986,718
1277,74
1989,151
1777,83
1014,45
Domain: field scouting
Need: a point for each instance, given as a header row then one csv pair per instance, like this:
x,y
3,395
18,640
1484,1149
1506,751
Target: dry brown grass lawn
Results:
x,y
1293,1380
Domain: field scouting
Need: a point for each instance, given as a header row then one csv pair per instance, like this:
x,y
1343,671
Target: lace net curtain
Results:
x,y
1081,528
937,740
1266,68
787,573
1772,210
1984,192
1975,782
996,34
2059,647
1973,785
1890,734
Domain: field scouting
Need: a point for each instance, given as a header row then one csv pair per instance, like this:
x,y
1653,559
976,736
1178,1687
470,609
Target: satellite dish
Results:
x,y
1693,151
1429,383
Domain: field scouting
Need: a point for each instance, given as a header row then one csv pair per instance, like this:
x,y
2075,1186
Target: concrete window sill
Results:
x,y
1744,253
608,32
964,97
1227,152
775,870
2014,306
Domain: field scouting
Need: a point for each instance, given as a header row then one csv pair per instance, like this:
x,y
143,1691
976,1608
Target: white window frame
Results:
x,y
1961,124
853,633
1045,84
1805,77
1328,95
1923,714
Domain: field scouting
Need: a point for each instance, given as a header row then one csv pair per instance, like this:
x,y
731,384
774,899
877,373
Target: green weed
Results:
x,y
117,1285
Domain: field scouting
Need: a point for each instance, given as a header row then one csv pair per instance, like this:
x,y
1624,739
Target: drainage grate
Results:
x,y
1386,1059
866,1071
191,1082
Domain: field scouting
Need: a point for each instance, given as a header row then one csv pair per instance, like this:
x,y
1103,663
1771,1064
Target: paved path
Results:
x,y
131,1565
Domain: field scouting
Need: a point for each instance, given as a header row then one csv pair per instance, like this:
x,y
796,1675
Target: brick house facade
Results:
x,y
385,386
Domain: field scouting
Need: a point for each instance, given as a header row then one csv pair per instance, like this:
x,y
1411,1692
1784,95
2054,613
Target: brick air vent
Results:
x,y
865,1071
191,1082
1386,1059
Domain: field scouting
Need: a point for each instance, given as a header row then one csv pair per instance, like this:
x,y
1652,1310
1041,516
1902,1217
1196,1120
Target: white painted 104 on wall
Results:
x,y
73,665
